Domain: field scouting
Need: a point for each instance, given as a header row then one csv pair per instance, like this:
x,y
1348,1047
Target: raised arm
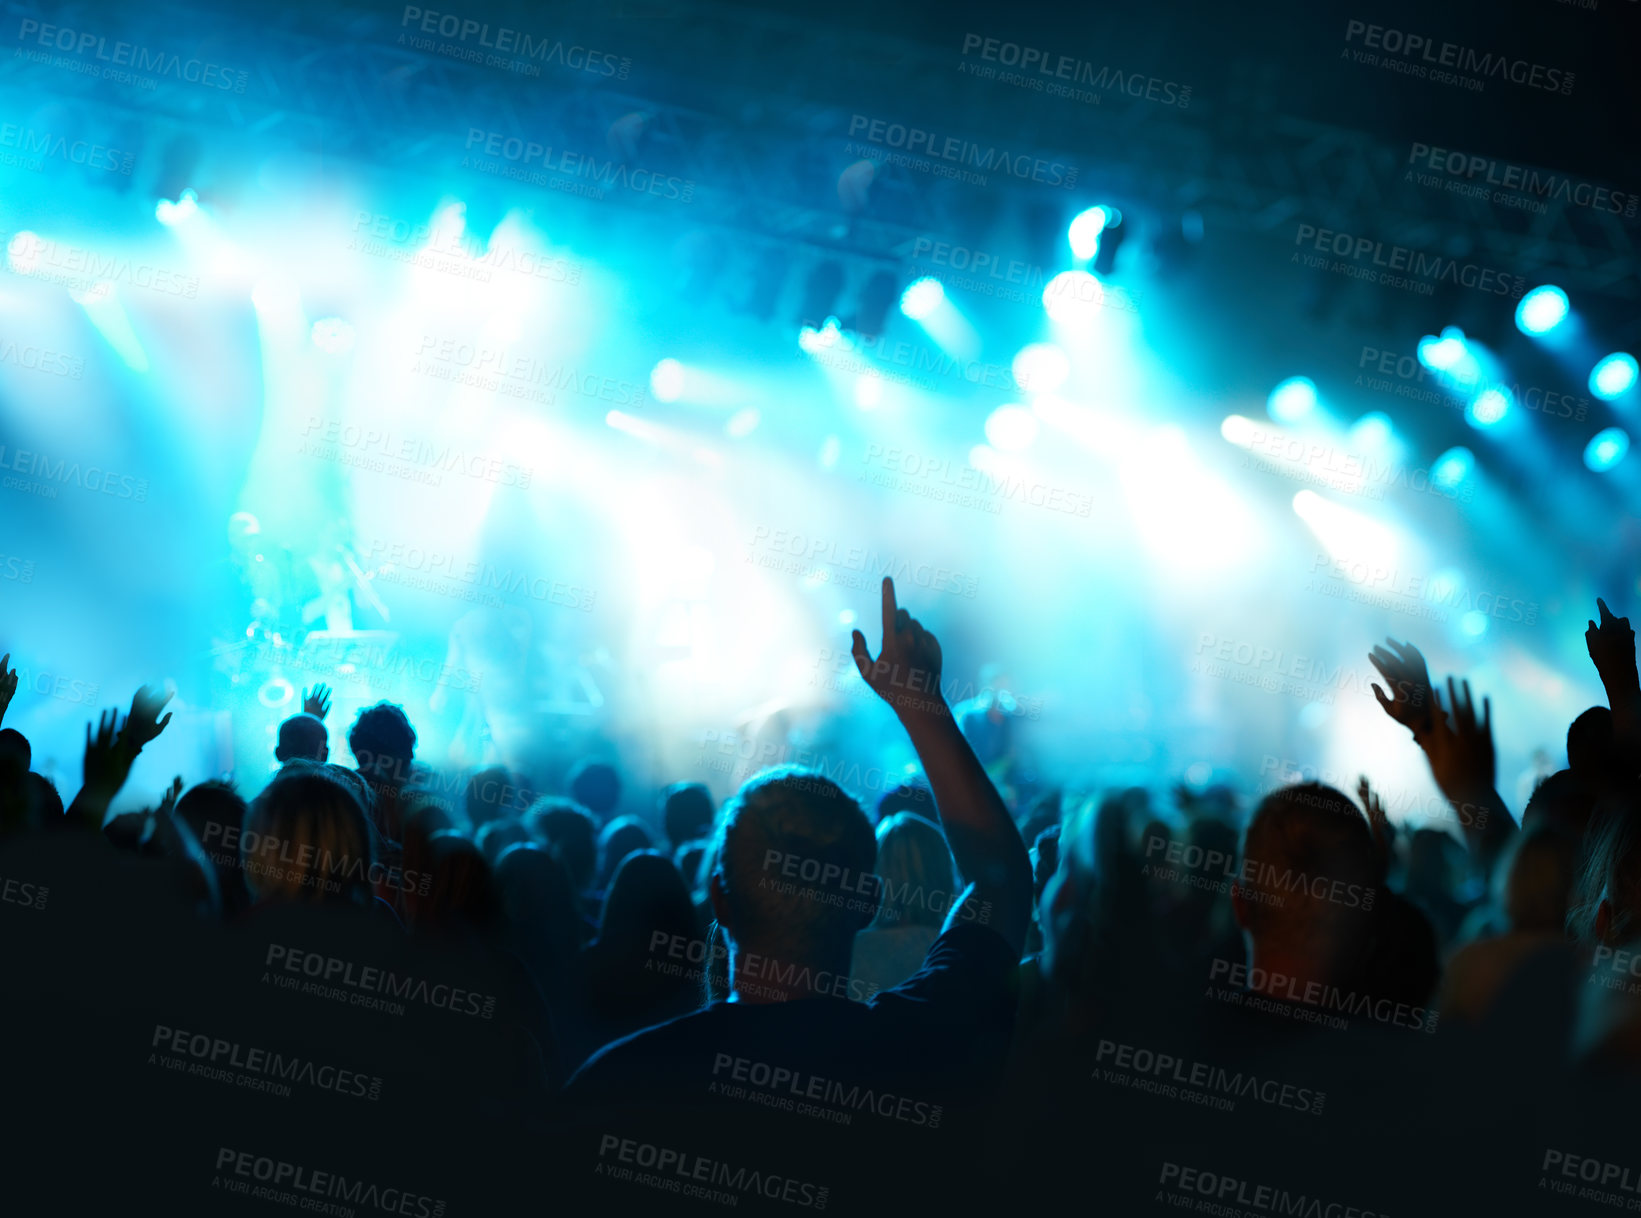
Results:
x,y
8,684
1612,651
984,842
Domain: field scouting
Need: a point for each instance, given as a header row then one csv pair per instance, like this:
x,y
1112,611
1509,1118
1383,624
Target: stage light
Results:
x,y
1041,368
1085,231
23,252
1606,449
1372,430
922,298
332,335
1474,623
1488,408
742,423
1452,468
1613,376
1444,585
667,380
868,390
1011,428
1239,430
171,214
1444,354
1541,310
1072,297
1292,400
1345,532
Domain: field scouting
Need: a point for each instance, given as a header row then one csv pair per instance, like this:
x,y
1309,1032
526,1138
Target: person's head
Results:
x,y
1591,746
596,786
493,794
303,738
686,812
919,880
538,902
383,743
622,836
914,797
306,839
1435,863
782,827
498,835
1563,801
212,810
461,894
15,754
570,832
646,898
45,805
1539,870
1307,879
1606,905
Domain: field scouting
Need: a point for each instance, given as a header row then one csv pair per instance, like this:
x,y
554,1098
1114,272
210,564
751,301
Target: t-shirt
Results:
x,y
815,1103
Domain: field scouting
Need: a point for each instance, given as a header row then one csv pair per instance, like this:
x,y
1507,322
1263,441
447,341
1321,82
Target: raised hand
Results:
x,y
316,701
1411,702
1460,746
1612,649
906,673
1384,833
106,763
144,722
8,683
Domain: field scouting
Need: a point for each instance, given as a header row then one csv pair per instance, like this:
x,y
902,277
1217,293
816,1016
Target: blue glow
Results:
x,y
1606,449
1444,354
1541,310
1085,231
1370,431
1488,409
1073,296
1041,368
169,213
922,298
667,380
1613,375
1292,400
1452,467
332,335
1474,623
1011,428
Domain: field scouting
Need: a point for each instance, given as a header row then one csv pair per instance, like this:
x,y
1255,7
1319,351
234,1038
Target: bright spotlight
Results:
x,y
1541,310
1370,431
1452,468
1444,354
667,380
23,252
1011,428
332,335
171,214
922,298
1292,400
1488,408
1085,232
1072,297
1474,623
868,390
1346,532
1239,430
1041,368
1613,375
1606,449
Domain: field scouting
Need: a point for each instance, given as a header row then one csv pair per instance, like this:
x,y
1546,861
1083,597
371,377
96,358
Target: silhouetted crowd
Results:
x,y
383,989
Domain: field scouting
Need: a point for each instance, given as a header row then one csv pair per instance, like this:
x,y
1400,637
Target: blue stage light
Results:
x,y
1292,400
922,298
1041,368
169,213
1488,408
1073,297
1606,449
667,380
1372,430
1452,468
1444,354
1613,376
1011,428
1541,310
1474,623
1085,231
